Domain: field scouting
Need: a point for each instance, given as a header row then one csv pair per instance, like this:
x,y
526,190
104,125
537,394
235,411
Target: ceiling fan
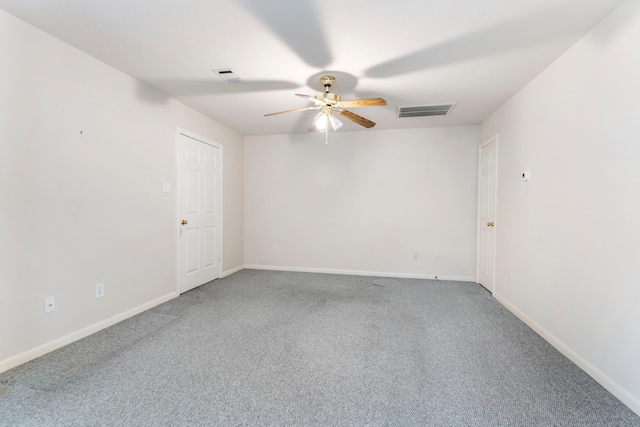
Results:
x,y
329,103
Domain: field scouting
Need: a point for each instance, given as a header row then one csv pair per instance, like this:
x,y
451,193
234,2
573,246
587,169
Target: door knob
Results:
x,y
184,222
490,224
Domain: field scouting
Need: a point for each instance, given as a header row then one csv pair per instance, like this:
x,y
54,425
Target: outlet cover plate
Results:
x,y
99,290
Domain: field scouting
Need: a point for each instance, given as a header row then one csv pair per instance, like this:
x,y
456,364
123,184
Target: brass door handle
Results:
x,y
184,222
490,224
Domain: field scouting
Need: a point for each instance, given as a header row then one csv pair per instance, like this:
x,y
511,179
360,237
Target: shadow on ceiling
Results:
x,y
289,23
507,36
212,86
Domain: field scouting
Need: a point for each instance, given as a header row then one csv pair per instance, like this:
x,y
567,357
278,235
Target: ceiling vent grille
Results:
x,y
425,110
228,75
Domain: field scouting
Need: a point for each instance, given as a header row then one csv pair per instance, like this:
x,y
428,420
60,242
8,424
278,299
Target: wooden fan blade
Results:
x,y
291,111
366,102
310,98
356,118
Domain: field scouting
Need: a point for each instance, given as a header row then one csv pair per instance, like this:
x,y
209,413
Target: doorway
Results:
x,y
200,211
487,203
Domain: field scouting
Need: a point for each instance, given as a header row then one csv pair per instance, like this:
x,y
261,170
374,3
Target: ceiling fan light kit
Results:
x,y
329,103
335,123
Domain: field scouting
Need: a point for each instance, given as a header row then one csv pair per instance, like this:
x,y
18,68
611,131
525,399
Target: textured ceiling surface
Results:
x,y
409,52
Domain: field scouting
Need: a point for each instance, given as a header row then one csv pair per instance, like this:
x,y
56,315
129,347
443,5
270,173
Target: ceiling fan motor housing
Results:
x,y
329,98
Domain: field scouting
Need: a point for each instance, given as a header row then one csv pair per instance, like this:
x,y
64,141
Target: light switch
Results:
x,y
166,187
526,176
49,304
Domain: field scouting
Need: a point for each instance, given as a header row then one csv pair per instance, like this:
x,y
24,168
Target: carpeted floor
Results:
x,y
294,349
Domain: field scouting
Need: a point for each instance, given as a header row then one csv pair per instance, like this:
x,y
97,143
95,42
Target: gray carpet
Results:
x,y
294,349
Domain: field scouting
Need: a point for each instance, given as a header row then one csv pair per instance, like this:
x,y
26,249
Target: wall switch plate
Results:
x,y
49,304
274,249
166,187
414,256
526,176
437,257
99,290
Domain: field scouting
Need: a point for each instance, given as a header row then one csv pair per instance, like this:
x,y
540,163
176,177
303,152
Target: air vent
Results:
x,y
228,75
425,110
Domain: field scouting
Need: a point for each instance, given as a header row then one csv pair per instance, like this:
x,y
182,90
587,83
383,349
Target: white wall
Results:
x,y
80,209
365,202
571,236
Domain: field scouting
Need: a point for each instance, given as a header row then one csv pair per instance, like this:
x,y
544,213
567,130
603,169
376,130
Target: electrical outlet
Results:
x,y
274,249
415,256
99,290
49,304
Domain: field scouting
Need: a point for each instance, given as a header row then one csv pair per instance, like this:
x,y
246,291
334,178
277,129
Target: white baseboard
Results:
x,y
231,271
43,349
361,273
623,395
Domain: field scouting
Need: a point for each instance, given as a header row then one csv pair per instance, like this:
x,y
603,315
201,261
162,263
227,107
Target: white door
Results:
x,y
487,192
200,197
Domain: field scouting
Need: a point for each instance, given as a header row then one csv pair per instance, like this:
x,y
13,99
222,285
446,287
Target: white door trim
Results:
x,y
488,141
189,134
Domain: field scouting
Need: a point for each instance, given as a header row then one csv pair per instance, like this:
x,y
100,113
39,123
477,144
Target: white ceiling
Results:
x,y
476,53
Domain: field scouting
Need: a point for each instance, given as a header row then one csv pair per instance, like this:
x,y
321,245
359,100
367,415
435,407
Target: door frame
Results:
x,y
485,143
192,135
